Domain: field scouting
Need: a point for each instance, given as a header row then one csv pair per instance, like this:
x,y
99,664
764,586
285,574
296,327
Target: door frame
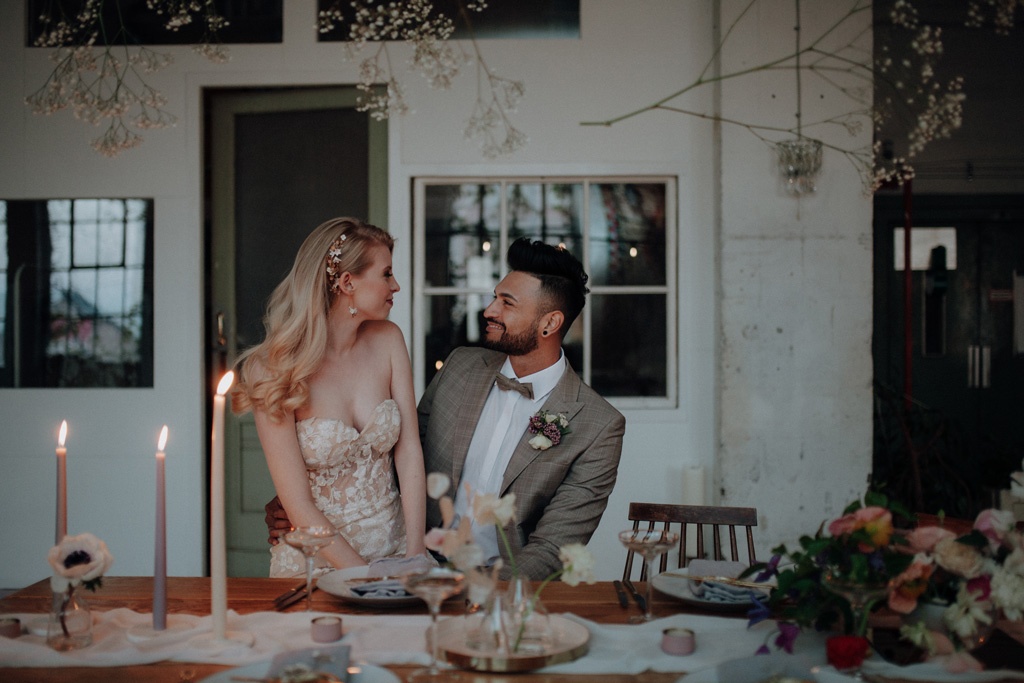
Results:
x,y
221,107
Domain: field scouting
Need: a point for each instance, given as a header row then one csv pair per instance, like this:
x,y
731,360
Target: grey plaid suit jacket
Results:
x,y
561,492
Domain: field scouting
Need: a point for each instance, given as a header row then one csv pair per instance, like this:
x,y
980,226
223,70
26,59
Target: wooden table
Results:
x,y
596,602
188,595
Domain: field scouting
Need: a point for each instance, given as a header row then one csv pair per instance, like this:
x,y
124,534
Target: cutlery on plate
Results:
x,y
621,592
636,595
721,579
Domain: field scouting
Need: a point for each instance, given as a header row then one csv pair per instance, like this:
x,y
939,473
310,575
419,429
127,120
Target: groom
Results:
x,y
475,430
474,425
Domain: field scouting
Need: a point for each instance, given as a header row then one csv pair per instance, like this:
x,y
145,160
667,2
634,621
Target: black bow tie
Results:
x,y
508,384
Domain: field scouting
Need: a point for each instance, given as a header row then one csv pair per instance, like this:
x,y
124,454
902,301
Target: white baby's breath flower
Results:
x,y
577,564
1008,588
489,509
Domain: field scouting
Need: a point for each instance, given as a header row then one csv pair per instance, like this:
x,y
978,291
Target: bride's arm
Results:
x,y
408,453
287,469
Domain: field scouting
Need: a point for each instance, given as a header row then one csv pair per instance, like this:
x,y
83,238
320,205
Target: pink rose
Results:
x,y
923,539
843,526
877,522
995,525
906,588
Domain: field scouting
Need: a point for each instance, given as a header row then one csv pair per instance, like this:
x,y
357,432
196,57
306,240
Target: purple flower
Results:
x,y
771,569
758,613
763,650
787,636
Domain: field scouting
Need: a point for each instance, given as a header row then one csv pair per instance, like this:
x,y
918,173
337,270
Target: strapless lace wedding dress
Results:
x,y
351,476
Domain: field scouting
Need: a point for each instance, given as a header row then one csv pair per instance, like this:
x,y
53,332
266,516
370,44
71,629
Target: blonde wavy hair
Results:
x,y
274,374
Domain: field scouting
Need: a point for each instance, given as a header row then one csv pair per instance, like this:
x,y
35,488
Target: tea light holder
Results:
x,y
326,629
678,641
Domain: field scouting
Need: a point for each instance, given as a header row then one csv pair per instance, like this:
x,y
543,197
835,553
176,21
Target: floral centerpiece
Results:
x,y
76,560
522,609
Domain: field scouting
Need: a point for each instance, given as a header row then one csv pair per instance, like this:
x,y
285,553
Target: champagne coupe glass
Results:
x,y
433,586
309,540
861,595
651,544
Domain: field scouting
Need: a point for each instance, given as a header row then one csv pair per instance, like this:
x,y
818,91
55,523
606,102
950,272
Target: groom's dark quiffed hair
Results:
x,y
561,275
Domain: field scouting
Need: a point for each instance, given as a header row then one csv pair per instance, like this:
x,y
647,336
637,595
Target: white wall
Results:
x,y
774,295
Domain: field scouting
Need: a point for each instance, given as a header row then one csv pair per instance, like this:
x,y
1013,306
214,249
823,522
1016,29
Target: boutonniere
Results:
x,y
549,428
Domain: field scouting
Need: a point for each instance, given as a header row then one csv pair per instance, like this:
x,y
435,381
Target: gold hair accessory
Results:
x,y
333,260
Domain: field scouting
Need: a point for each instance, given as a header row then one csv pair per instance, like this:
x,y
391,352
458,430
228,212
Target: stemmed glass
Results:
x,y
433,586
651,544
309,540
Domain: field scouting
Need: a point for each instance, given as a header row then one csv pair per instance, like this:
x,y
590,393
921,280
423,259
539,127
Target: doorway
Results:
x,y
281,161
952,445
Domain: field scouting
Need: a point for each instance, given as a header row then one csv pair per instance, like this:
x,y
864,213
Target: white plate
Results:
x,y
367,673
677,584
336,583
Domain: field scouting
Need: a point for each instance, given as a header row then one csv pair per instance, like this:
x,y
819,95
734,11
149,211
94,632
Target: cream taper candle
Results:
x,y
218,542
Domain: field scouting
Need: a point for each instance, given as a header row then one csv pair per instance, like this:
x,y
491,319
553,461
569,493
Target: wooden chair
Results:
x,y
687,516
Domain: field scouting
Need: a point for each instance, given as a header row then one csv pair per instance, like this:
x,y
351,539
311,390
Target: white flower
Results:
x,y
1008,590
489,509
959,558
78,559
467,556
540,442
437,483
964,615
577,564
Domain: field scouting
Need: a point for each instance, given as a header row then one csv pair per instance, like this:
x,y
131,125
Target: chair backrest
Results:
x,y
693,519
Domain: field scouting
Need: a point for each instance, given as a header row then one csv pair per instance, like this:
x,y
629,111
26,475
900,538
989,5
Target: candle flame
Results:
x,y
163,439
63,433
225,382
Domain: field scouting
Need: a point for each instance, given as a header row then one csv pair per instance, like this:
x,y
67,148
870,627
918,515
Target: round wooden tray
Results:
x,y
572,640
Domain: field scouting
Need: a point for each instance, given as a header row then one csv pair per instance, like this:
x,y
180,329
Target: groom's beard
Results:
x,y
512,344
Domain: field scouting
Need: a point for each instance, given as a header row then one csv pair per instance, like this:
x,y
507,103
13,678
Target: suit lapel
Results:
x,y
477,385
563,399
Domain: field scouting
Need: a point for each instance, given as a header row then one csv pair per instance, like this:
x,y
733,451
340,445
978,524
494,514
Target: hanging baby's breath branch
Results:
x,y
435,57
882,89
101,74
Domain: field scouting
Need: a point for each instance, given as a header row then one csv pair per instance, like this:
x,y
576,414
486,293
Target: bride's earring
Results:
x,y
352,311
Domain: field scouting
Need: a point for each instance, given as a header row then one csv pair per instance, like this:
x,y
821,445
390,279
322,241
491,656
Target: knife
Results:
x,y
292,599
290,593
621,592
636,596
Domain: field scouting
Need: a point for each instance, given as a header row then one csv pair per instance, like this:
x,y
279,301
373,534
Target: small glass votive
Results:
x,y
10,627
326,629
678,641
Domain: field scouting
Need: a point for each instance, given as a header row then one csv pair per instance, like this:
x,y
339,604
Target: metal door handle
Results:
x,y
979,366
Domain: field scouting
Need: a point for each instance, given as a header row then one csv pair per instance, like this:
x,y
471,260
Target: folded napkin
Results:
x,y
385,588
716,591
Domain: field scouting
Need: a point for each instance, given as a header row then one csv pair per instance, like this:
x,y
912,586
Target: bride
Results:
x,y
332,394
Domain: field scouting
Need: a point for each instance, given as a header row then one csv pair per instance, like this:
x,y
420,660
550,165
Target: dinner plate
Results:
x,y
339,583
357,673
677,584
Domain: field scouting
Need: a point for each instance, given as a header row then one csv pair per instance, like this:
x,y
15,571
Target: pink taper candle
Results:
x,y
160,546
62,484
218,543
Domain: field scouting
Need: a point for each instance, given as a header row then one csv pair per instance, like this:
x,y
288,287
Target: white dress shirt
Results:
x,y
504,419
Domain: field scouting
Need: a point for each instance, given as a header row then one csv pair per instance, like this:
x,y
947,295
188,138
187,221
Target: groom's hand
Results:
x,y
277,521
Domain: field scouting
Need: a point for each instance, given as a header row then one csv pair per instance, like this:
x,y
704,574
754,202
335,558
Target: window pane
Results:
x,y
85,320
627,234
628,345
463,236
547,212
450,321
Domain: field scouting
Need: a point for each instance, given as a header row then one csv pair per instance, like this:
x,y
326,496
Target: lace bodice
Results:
x,y
351,477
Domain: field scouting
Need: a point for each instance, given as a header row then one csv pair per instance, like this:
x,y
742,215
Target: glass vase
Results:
x,y
70,624
526,618
485,628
